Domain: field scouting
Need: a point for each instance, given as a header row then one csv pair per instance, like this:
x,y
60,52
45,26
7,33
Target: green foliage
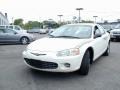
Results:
x,y
45,24
19,22
50,24
32,24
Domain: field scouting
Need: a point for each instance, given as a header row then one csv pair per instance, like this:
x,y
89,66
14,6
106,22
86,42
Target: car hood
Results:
x,y
56,44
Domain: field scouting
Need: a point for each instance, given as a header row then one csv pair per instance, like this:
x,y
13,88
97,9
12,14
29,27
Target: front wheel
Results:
x,y
24,40
85,65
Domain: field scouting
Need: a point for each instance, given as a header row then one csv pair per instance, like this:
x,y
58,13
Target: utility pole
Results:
x,y
95,17
79,9
60,17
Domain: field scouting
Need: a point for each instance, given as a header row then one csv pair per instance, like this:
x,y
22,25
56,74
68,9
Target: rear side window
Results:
x,y
2,27
9,31
102,30
11,27
97,31
1,31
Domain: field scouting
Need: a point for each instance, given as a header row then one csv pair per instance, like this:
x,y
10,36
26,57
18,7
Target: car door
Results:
x,y
98,42
11,35
104,37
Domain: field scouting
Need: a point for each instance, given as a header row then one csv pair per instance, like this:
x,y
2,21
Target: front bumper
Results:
x,y
52,63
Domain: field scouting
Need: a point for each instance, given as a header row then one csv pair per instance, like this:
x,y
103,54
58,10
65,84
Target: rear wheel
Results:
x,y
85,65
24,40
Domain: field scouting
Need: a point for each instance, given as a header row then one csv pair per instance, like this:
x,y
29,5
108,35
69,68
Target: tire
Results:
x,y
24,40
85,65
107,52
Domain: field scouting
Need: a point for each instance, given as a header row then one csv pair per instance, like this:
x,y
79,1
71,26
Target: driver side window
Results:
x,y
9,31
96,30
1,31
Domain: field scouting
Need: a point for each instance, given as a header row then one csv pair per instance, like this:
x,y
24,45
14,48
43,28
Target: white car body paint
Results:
x,y
50,46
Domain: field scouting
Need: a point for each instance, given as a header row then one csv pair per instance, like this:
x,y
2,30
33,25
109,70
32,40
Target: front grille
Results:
x,y
41,64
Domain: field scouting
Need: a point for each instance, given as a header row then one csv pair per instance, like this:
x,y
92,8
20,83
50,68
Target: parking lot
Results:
x,y
15,75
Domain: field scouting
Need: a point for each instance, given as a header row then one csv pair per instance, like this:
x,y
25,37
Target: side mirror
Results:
x,y
97,35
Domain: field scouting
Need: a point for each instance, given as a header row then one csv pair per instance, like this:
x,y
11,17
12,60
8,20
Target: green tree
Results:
x,y
35,24
19,22
32,24
50,24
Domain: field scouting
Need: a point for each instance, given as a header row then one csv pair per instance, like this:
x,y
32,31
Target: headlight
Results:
x,y
68,52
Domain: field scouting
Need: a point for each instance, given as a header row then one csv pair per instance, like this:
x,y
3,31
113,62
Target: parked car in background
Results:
x,y
108,28
115,33
13,27
33,31
14,36
43,31
69,48
40,31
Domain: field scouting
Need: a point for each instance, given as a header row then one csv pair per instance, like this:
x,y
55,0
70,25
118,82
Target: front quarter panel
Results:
x,y
85,47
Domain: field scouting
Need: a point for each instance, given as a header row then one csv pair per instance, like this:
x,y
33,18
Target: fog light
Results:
x,y
66,64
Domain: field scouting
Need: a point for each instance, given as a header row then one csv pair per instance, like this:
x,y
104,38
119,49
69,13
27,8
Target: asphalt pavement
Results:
x,y
15,75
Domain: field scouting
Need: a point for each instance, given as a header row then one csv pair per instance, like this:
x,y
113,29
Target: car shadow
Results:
x,y
44,74
52,76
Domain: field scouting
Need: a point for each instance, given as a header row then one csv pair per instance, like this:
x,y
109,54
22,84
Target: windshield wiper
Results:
x,y
52,36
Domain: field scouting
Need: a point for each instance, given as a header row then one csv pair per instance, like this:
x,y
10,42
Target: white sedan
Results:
x,y
69,48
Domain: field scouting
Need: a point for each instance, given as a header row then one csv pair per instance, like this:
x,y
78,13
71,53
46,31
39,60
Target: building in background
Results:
x,y
3,19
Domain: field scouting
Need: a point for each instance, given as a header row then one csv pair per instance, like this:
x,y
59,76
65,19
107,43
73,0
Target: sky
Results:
x,y
49,9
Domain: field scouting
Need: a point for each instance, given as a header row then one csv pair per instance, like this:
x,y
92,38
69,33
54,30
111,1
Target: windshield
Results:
x,y
74,31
